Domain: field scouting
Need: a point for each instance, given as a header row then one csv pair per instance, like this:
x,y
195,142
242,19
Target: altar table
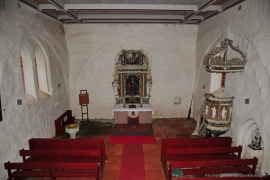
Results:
x,y
121,113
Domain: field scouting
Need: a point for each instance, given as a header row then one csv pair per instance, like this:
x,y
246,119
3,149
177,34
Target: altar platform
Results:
x,y
132,129
123,114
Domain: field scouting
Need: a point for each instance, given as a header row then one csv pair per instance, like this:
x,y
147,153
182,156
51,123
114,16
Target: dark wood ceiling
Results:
x,y
131,11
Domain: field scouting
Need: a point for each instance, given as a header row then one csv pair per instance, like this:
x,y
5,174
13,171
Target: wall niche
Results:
x,y
252,142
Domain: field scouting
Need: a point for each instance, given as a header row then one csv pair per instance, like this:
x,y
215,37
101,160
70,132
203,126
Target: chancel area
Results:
x,y
132,84
134,90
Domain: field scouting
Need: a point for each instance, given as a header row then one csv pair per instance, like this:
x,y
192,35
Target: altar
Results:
x,y
132,84
123,114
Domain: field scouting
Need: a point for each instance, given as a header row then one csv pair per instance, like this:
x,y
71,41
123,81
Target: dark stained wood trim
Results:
x,y
233,5
206,4
211,15
57,4
49,14
29,4
1,116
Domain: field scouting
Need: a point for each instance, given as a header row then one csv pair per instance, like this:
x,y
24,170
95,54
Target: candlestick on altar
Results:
x,y
124,103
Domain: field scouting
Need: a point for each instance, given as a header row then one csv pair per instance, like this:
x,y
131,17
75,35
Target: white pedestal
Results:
x,y
251,153
72,129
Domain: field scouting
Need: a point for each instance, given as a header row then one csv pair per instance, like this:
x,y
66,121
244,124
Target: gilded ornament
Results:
x,y
216,60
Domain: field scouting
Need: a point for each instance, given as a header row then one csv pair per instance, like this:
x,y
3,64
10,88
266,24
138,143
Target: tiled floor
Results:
x,y
179,127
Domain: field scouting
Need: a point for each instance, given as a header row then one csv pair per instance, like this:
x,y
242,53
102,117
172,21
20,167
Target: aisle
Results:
x,y
163,128
132,165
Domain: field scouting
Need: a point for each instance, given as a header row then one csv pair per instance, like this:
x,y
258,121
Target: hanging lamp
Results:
x,y
216,60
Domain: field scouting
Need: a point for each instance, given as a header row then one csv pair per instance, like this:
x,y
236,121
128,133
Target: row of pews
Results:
x,y
77,158
205,158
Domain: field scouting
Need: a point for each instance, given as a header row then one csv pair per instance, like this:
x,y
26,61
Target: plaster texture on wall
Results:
x,y
250,30
22,25
215,81
93,49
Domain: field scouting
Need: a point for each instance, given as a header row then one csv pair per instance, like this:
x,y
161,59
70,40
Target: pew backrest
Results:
x,y
82,144
69,144
186,154
51,170
241,177
61,155
60,123
215,166
174,143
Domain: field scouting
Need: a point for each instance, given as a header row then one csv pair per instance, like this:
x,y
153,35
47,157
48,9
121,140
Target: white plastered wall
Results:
x,y
22,25
249,28
93,49
215,82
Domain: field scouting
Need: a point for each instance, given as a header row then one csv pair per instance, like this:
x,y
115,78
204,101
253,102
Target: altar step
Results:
x,y
132,129
133,121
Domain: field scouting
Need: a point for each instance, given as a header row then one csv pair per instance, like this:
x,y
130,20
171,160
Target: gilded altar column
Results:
x,y
121,85
143,88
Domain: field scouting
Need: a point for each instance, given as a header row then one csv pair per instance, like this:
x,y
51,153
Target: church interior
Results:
x,y
188,69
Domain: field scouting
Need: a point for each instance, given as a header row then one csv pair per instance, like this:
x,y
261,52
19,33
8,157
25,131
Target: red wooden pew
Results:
x,y
176,143
60,123
51,170
199,154
63,156
196,154
214,167
241,177
69,144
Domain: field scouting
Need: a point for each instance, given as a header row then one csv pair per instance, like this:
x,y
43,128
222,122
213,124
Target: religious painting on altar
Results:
x,y
132,85
132,58
129,100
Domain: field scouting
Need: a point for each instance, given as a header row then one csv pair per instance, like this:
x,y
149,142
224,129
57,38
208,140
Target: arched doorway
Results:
x,y
247,132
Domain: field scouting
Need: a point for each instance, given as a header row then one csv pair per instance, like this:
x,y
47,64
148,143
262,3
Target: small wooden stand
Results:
x,y
84,101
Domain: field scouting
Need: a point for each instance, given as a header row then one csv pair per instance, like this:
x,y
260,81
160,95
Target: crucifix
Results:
x,y
132,100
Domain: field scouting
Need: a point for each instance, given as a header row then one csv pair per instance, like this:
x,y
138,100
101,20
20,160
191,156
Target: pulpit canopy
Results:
x,y
225,59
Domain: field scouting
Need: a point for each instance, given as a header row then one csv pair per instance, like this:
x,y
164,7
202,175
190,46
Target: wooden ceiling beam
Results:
x,y
201,7
191,14
130,21
204,4
57,3
141,7
129,16
231,3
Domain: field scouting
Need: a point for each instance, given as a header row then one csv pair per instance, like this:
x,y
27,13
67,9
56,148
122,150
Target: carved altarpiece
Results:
x,y
132,77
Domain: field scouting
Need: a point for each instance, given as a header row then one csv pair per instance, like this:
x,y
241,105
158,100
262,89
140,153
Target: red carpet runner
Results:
x,y
132,167
132,140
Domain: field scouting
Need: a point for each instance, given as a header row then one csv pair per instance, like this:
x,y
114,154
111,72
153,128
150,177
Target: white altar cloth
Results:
x,y
145,107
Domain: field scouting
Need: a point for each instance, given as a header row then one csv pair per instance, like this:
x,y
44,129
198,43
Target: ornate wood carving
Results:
x,y
216,60
132,76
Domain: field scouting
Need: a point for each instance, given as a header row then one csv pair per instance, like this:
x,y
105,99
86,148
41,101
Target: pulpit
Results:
x,y
123,114
217,114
